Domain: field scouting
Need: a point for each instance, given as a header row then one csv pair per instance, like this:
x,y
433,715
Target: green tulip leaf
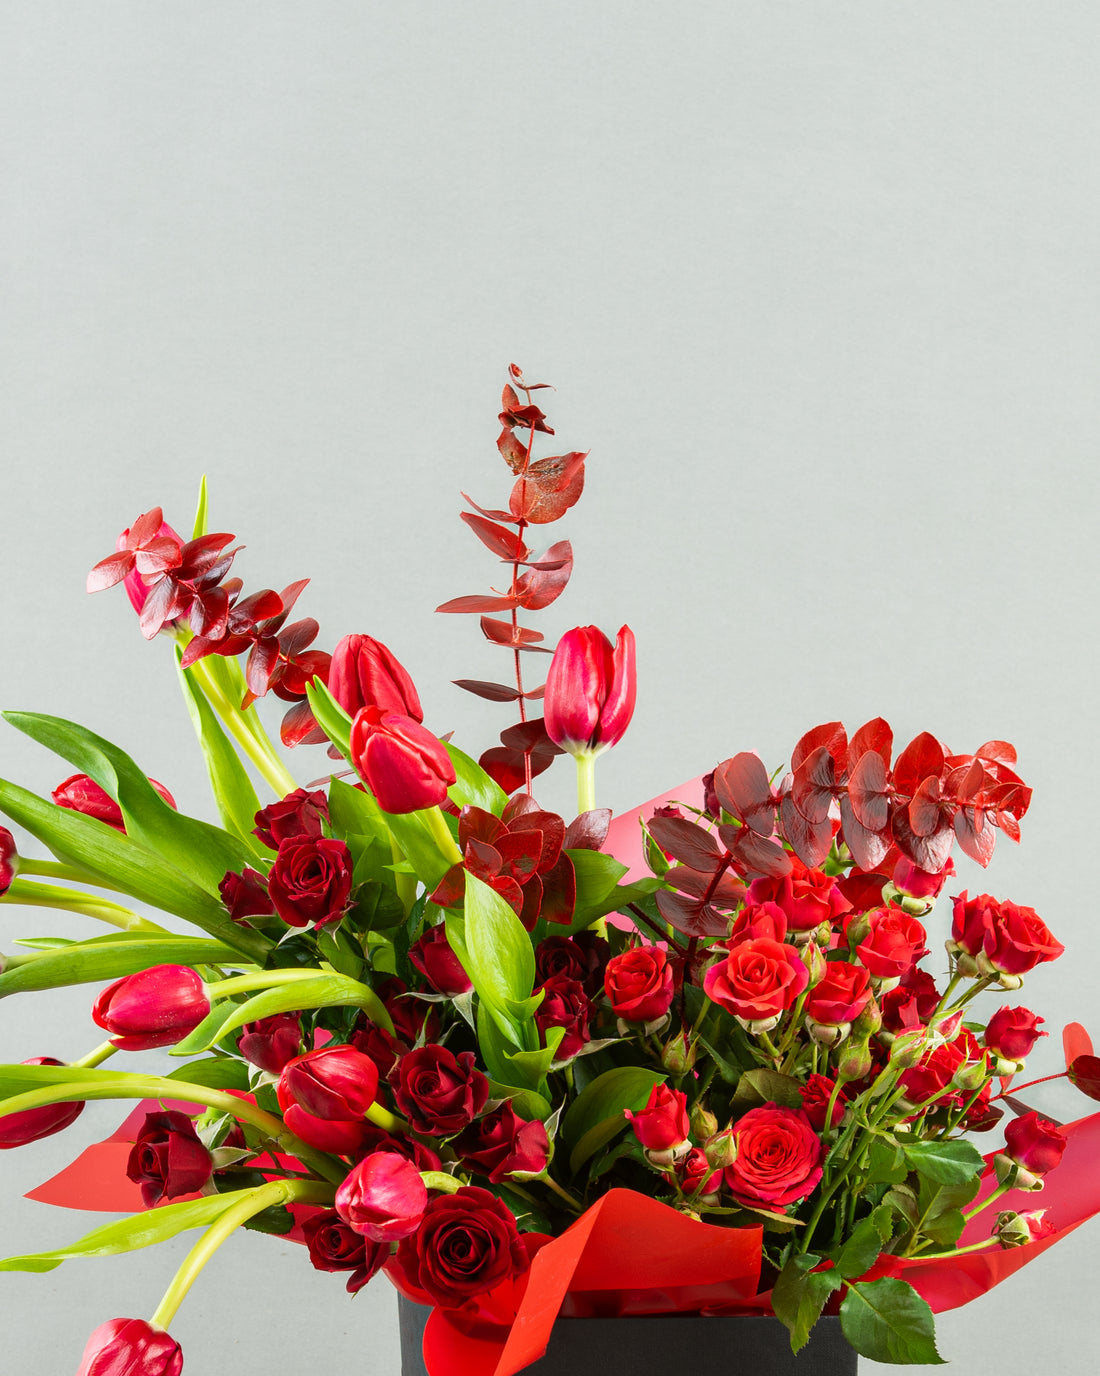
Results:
x,y
473,787
82,962
215,1072
330,716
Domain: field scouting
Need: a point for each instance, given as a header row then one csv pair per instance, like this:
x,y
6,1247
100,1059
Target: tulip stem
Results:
x,y
73,901
586,782
384,1119
246,729
263,1197
441,835
262,979
54,869
96,1057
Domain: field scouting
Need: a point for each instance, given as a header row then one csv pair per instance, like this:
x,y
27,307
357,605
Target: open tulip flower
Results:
x,y
426,1025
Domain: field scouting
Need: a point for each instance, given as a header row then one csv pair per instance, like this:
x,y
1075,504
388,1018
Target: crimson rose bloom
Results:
x,y
639,984
500,1142
778,1157
131,1347
1004,937
17,1129
841,996
1034,1143
758,980
911,1003
894,943
565,1005
383,1197
245,895
333,1246
466,1244
310,881
168,1159
438,1092
663,1123
298,814
1012,1033
816,1094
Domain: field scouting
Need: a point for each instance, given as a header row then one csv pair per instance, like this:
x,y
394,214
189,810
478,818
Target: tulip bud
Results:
x,y
17,1129
383,1197
155,1007
400,761
336,1083
364,673
9,860
590,690
131,1347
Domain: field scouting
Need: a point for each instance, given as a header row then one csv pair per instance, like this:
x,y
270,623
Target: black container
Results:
x,y
664,1345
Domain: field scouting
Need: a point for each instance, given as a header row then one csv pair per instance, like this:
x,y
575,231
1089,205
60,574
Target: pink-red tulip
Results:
x,y
400,761
364,673
383,1197
131,1347
17,1129
590,690
336,1083
155,1007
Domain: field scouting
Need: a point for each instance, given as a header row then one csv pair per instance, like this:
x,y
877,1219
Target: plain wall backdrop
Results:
x,y
817,285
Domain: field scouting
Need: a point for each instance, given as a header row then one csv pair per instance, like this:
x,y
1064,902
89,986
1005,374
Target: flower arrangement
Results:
x,y
428,1027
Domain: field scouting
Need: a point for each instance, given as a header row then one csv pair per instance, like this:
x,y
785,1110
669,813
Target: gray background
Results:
x,y
818,287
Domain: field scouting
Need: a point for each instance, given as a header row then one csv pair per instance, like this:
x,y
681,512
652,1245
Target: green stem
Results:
x,y
73,901
247,731
440,1180
441,835
404,882
957,1251
262,979
96,1057
989,1199
54,869
264,1197
586,782
384,1119
574,1204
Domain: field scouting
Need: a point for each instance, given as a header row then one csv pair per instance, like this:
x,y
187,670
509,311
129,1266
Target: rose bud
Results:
x,y
808,897
131,1347
1011,1035
334,1082
639,984
466,1244
703,1123
400,761
697,1177
662,1126
433,957
168,1159
364,673
79,793
438,1092
245,895
17,1129
500,1144
298,814
854,1061
1017,1230
382,1197
155,1007
310,881
590,690
834,1004
334,1246
9,860
816,1094
270,1043
565,1005
778,1157
1033,1147
917,883
720,1148
912,1003
678,1054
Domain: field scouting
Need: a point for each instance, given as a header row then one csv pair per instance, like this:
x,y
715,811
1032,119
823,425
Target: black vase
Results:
x,y
664,1345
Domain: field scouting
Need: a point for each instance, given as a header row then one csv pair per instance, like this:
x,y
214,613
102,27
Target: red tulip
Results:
x,y
590,690
9,860
155,1007
383,1197
131,1347
17,1129
336,1083
364,673
401,762
81,794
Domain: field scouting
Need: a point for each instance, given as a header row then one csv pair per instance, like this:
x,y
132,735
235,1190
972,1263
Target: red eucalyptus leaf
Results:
x,y
874,735
450,892
167,601
1009,825
810,841
1013,797
831,735
744,790
589,830
488,511
548,488
687,842
519,806
504,633
533,895
295,674
548,564
475,824
920,758
210,614
539,587
928,809
145,528
482,859
477,602
110,571
506,767
512,449
814,785
529,736
726,893
1075,1042
260,665
520,853
493,692
559,891
549,828
1084,1071
976,834
929,852
754,854
999,751
294,638
530,416
868,846
260,606
499,539
691,916
300,728
869,792
535,694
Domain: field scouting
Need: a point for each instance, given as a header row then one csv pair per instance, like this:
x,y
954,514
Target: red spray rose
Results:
x,y
433,957
893,945
500,1143
79,793
245,895
17,1129
438,1092
816,1093
310,881
840,997
298,814
911,1003
590,690
400,761
467,1243
639,984
337,1083
364,673
1003,937
808,897
1011,1033
778,1157
383,1197
758,980
697,1176
168,1159
759,919
1034,1143
155,1007
131,1347
663,1124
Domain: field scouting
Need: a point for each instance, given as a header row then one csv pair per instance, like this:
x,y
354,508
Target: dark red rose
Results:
x,y
382,1197
270,1043
639,984
467,1243
298,814
334,1246
335,1082
816,1093
433,957
1034,1143
893,945
911,1003
131,1347
565,1005
1011,1033
938,1077
841,996
168,1159
560,955
9,860
364,673
596,952
422,1156
778,1157
808,897
757,980
500,1143
663,1124
310,881
438,1092
17,1129
155,1007
1003,937
245,895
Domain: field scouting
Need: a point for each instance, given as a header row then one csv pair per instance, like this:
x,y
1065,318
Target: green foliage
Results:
x,y
597,1114
887,1321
